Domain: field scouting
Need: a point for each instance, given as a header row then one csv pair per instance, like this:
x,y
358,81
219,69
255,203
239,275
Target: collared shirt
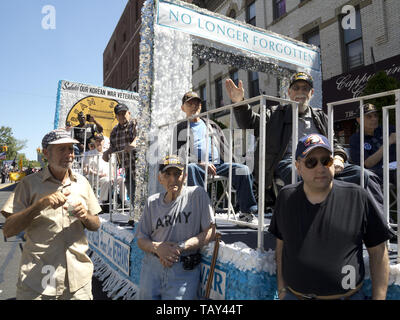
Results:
x,y
306,126
54,256
371,146
122,136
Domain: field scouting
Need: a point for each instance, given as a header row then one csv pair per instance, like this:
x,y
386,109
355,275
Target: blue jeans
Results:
x,y
162,283
242,182
351,173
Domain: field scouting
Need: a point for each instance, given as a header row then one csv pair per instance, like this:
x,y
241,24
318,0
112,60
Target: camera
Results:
x,y
190,261
88,117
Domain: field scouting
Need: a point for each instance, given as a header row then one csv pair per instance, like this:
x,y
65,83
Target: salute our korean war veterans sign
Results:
x,y
99,102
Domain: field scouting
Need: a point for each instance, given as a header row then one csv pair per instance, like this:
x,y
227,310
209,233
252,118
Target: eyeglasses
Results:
x,y
312,162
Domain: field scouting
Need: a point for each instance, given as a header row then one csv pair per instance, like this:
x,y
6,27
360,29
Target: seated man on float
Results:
x,y
279,144
373,143
242,180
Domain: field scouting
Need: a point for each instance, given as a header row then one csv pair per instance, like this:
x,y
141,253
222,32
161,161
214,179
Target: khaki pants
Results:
x,y
26,293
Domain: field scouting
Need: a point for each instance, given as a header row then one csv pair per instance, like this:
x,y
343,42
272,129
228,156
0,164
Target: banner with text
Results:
x,y
99,102
117,252
223,31
218,284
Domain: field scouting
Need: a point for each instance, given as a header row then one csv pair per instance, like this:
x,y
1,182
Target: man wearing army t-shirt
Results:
x,y
175,224
321,225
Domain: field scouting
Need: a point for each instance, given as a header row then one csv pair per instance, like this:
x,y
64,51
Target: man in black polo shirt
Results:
x,y
320,225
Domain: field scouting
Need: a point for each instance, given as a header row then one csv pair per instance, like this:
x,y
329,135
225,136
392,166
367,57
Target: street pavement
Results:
x,y
10,254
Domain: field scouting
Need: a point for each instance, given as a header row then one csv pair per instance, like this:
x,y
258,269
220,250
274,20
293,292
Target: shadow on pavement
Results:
x,y
9,188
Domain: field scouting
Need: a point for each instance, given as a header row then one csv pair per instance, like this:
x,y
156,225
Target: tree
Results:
x,y
381,82
14,145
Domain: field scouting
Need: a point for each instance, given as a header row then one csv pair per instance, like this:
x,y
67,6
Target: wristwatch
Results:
x,y
284,289
181,245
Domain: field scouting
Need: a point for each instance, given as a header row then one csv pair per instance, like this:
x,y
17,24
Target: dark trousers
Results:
x,y
130,184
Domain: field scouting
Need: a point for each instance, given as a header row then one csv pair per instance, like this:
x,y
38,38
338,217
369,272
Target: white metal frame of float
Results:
x,y
172,33
385,116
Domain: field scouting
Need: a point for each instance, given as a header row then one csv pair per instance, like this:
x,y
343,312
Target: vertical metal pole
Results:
x,y
330,124
295,138
207,147
123,194
131,200
385,120
261,170
397,112
97,176
187,148
362,143
230,162
110,179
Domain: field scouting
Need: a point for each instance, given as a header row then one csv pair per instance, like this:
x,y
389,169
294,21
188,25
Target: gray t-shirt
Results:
x,y
179,220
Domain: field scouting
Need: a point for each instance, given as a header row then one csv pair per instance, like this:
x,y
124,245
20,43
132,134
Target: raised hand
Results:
x,y
235,93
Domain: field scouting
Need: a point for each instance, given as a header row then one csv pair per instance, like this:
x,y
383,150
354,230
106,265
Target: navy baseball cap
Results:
x,y
302,76
171,161
120,107
57,136
368,108
311,142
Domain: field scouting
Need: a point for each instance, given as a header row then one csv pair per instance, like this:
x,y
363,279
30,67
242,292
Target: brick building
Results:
x,y
349,56
121,55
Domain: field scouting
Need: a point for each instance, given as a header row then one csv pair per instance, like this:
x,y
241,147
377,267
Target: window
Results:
x,y
203,97
251,13
234,75
219,101
254,86
353,45
137,12
232,14
312,37
133,57
201,62
279,8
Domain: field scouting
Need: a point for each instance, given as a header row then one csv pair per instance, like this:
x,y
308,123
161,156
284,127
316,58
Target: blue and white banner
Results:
x,y
117,252
206,26
218,284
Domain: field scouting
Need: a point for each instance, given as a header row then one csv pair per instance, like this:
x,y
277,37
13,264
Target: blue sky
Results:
x,y
33,59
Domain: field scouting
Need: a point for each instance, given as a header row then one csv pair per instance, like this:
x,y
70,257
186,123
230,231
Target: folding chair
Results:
x,y
221,203
393,197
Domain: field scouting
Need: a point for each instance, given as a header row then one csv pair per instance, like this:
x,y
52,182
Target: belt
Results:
x,y
310,296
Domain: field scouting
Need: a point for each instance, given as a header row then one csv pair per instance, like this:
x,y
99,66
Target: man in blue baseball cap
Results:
x,y
321,225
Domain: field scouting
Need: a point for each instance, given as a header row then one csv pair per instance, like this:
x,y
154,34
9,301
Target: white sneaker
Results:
x,y
250,218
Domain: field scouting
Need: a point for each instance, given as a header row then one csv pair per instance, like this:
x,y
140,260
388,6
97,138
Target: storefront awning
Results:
x,y
351,85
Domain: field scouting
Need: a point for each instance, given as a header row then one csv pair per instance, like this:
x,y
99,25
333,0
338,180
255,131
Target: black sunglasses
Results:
x,y
312,162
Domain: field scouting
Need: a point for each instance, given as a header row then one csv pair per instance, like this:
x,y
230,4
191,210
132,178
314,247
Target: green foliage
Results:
x,y
14,145
381,82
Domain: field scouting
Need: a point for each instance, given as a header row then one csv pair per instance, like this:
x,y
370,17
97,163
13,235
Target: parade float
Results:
x,y
172,33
